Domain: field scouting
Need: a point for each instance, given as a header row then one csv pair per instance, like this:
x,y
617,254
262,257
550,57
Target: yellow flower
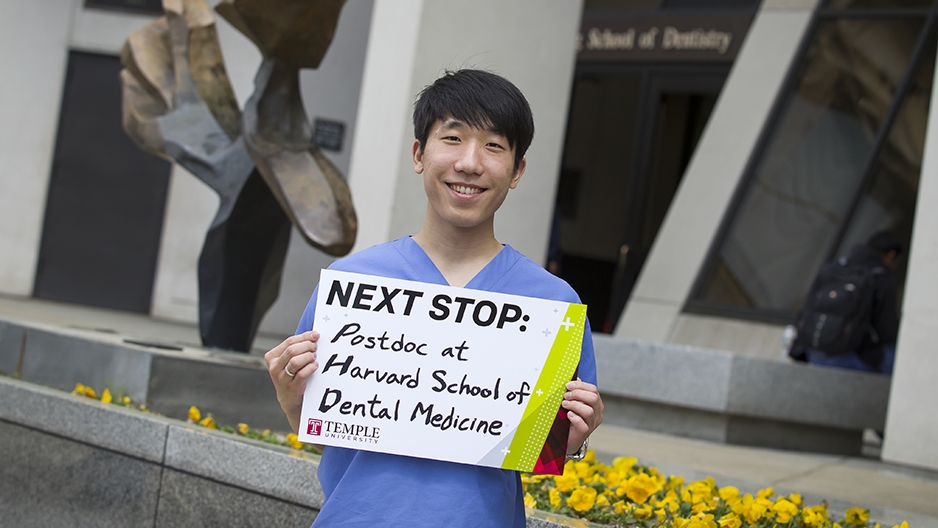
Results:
x,y
294,441
602,501
697,492
680,522
765,493
555,498
84,390
624,464
126,401
669,501
701,521
758,509
620,507
194,414
106,396
528,478
675,482
613,478
742,506
566,482
661,514
784,511
529,501
730,520
729,493
815,516
584,470
795,498
208,421
643,512
857,516
265,433
904,524
243,428
639,488
582,499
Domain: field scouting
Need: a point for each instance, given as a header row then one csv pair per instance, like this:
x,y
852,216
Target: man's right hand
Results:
x,y
290,364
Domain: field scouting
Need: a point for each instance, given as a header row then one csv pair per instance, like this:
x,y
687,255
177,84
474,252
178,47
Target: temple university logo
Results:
x,y
314,427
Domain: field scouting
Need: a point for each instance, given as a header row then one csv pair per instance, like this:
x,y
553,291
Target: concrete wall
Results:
x,y
911,426
531,42
34,39
654,310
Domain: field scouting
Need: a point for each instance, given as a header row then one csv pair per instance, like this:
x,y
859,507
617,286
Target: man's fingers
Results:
x,y
582,410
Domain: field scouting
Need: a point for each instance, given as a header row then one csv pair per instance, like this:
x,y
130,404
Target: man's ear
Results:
x,y
516,177
417,154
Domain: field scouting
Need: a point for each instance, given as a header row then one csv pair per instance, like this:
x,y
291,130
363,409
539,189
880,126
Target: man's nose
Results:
x,y
470,159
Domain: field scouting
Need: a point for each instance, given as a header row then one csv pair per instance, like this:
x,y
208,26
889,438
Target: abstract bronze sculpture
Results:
x,y
178,103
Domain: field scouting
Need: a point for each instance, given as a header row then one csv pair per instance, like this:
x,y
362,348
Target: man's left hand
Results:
x,y
584,408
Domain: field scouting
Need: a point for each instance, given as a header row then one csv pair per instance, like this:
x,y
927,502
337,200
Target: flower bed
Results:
x,y
629,494
625,494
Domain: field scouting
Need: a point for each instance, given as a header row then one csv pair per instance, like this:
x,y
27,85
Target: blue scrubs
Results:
x,y
365,489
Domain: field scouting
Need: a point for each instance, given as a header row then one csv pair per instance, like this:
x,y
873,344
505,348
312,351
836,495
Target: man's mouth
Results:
x,y
463,189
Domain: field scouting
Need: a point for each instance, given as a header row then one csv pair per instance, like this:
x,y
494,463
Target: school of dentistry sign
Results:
x,y
661,38
438,372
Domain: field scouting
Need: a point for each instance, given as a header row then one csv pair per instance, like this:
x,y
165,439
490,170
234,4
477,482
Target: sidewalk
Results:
x,y
893,493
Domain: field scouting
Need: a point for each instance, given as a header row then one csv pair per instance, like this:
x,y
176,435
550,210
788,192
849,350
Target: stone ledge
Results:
x,y
168,377
187,447
206,475
719,396
110,427
240,462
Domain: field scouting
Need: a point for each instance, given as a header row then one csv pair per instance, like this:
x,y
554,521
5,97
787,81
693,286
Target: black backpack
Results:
x,y
837,314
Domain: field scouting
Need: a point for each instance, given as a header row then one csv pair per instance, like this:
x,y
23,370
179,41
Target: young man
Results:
x,y
472,130
877,351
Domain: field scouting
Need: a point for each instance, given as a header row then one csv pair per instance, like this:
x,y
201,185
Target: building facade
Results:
x,y
694,163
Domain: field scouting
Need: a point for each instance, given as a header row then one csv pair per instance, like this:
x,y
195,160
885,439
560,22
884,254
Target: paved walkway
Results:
x,y
893,493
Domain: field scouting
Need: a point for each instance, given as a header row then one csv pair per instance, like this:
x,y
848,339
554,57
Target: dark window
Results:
x,y
149,7
104,214
878,4
840,161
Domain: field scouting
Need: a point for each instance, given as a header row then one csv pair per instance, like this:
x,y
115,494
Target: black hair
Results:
x,y
480,99
885,241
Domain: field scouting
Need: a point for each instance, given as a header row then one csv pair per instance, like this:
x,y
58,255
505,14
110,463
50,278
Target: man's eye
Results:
x,y
451,138
496,146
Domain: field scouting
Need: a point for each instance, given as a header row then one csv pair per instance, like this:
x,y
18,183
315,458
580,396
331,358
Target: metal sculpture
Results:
x,y
178,103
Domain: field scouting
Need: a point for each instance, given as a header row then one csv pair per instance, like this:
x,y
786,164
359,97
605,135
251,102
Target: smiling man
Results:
x,y
472,129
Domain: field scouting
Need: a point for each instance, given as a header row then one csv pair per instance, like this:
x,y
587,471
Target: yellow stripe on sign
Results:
x,y
547,393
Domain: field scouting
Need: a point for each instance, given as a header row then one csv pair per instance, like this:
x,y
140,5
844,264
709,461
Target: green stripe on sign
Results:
x,y
548,392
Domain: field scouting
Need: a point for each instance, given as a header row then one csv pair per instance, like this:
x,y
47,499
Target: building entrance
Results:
x,y
631,133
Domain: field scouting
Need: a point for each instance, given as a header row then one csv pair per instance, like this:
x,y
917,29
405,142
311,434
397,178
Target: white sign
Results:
x,y
438,372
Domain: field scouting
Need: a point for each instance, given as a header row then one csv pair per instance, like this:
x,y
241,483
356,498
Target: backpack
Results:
x,y
837,314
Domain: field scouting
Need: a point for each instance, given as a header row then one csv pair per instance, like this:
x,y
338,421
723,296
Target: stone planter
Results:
x,y
71,461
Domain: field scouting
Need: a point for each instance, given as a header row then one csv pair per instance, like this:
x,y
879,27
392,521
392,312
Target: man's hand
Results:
x,y
290,364
584,408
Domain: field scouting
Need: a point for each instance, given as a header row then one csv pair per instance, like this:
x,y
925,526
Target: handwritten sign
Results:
x,y
438,372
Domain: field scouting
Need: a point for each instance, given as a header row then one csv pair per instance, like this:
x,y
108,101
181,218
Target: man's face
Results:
x,y
467,172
